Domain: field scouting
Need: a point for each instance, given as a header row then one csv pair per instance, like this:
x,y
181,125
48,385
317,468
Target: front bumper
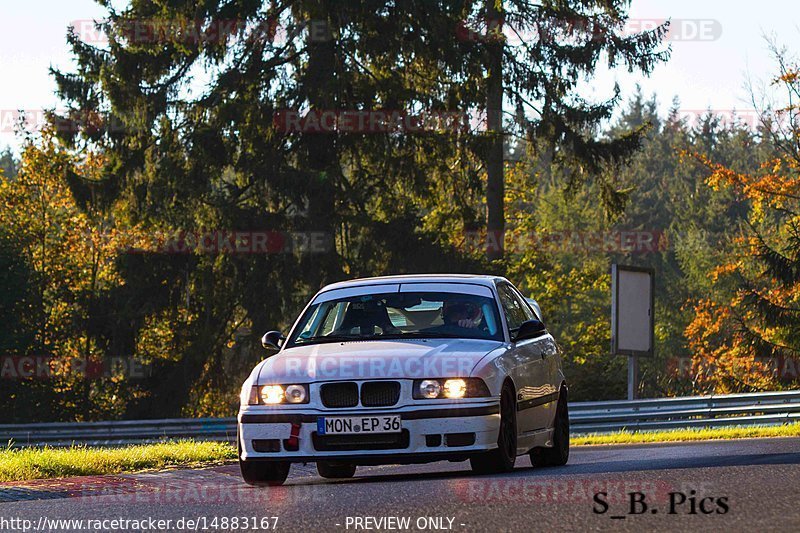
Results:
x,y
454,424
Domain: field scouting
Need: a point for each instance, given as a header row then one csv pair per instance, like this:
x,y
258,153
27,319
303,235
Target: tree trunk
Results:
x,y
321,153
495,183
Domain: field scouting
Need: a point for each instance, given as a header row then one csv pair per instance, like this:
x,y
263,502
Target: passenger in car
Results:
x,y
458,315
465,314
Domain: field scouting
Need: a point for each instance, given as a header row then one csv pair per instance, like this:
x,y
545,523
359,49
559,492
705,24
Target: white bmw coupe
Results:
x,y
406,369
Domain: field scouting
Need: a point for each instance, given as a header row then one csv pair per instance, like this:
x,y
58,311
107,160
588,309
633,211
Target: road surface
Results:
x,y
742,485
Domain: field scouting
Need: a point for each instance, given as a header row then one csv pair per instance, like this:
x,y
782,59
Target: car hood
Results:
x,y
360,360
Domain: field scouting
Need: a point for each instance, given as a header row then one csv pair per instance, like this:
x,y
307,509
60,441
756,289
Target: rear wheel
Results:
x,y
558,455
502,458
262,473
336,470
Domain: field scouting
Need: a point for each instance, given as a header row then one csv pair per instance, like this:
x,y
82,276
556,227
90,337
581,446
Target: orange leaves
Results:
x,y
775,189
789,77
709,320
723,270
719,176
775,186
779,179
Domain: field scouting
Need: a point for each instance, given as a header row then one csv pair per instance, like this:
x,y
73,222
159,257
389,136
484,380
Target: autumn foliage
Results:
x,y
744,335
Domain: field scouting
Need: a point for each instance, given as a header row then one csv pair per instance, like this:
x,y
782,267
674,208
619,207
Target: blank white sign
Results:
x,y
633,324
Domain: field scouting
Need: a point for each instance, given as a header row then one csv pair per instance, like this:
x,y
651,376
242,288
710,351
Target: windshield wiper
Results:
x,y
329,338
387,336
422,335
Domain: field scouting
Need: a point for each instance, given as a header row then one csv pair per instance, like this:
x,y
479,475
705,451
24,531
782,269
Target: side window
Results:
x,y
516,311
530,314
331,318
313,321
323,320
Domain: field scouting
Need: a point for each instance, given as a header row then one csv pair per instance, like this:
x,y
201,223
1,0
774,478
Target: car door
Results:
x,y
529,370
551,354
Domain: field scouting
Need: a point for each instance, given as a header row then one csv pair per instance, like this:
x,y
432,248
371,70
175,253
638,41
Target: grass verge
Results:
x,y
691,434
22,464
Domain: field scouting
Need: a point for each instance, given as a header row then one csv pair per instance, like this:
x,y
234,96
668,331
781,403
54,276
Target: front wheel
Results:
x,y
263,473
336,470
558,455
502,458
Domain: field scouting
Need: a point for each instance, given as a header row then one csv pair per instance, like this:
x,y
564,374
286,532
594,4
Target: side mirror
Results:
x,y
530,330
272,340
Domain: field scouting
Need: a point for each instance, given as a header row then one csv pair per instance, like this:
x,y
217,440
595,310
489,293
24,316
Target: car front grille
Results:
x,y
377,441
343,394
373,394
380,393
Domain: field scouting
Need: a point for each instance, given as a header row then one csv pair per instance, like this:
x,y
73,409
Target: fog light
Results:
x,y
430,388
455,388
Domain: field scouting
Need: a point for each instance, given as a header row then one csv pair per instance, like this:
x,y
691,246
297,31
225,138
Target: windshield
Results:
x,y
399,315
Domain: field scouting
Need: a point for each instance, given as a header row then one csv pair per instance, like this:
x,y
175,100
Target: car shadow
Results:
x,y
600,466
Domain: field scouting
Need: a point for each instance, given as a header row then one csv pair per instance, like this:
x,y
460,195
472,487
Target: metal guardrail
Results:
x,y
118,432
764,408
768,408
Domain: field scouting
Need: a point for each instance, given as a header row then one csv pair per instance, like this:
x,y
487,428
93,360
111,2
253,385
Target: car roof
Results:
x,y
472,279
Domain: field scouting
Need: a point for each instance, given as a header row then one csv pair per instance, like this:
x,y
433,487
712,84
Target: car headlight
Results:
x,y
429,388
455,388
451,389
295,394
272,394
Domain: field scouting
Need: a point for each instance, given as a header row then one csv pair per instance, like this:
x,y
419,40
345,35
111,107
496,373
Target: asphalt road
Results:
x,y
744,485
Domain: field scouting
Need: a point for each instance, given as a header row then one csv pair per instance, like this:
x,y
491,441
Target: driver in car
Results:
x,y
462,313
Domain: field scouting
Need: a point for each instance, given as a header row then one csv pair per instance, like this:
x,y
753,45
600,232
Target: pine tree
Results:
x,y
179,159
546,51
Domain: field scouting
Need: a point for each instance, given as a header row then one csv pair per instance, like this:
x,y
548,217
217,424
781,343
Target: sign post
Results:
x,y
632,317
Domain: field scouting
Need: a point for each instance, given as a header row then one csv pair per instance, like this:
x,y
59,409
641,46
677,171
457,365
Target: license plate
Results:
x,y
352,425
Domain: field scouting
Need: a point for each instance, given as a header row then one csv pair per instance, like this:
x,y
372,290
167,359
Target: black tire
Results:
x,y
502,458
558,455
262,473
336,470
